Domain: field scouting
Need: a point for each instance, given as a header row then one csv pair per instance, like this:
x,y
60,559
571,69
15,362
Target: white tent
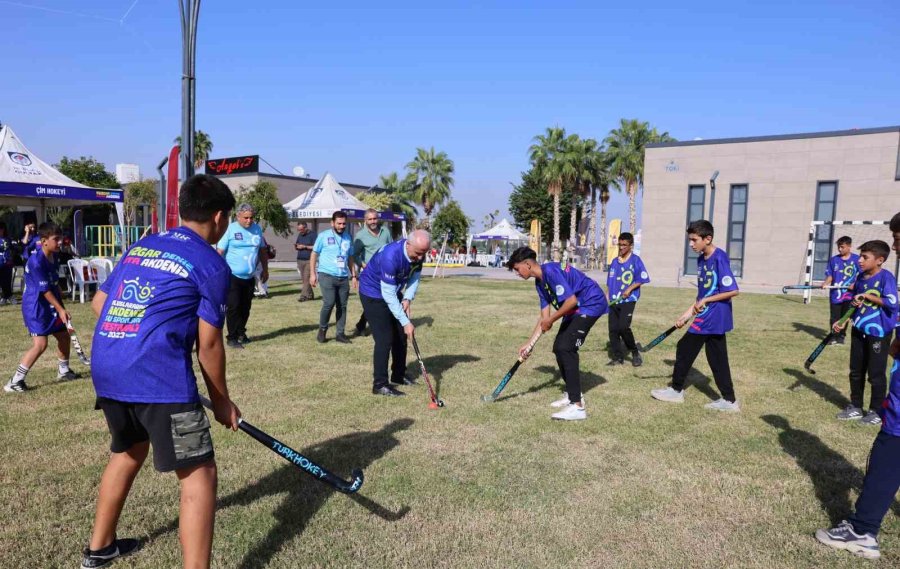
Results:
x,y
27,180
503,231
323,199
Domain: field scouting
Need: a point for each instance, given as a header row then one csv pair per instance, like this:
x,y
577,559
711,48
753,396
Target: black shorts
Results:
x,y
178,432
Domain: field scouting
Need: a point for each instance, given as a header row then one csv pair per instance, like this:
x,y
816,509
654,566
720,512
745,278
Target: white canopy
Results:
x,y
27,180
503,231
323,199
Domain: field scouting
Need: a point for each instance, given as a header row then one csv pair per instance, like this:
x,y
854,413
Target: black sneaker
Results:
x,y
102,558
404,381
69,375
244,339
15,386
359,331
341,338
840,340
235,344
320,338
849,413
636,359
615,362
388,391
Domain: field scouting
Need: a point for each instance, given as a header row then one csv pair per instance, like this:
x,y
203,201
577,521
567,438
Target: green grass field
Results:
x,y
639,484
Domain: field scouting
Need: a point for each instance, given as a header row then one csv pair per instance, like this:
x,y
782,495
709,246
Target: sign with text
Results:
x,y
234,165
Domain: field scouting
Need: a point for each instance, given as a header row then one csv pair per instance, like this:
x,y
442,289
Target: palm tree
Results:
x,y
598,166
626,150
431,175
555,168
588,157
202,147
604,199
400,194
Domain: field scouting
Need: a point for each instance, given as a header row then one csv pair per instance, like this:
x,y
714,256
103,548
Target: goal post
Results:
x,y
820,248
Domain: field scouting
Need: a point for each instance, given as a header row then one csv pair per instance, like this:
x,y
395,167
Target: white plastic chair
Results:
x,y
102,267
82,276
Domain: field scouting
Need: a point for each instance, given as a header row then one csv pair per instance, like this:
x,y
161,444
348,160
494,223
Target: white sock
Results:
x,y
62,366
21,372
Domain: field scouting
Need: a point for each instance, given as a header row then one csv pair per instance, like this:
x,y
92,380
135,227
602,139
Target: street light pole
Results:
x,y
190,12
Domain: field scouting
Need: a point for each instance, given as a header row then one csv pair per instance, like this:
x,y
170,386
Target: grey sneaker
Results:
x,y
843,536
668,394
871,418
850,413
69,375
724,405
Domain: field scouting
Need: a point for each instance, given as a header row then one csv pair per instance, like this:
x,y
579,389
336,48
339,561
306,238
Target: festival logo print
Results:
x,y
126,311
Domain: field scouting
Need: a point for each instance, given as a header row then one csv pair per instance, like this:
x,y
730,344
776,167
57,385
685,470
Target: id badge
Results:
x,y
340,261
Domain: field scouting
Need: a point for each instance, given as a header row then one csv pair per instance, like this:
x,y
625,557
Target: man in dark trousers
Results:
x,y
386,304
304,246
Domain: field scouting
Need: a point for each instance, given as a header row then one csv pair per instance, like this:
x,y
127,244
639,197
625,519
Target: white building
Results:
x,y
127,173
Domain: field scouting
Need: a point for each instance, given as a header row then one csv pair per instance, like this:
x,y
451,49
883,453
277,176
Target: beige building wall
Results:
x,y
782,174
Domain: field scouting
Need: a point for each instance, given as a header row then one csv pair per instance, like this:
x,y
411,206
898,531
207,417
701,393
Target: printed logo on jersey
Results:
x,y
126,310
644,275
727,281
331,241
239,236
560,289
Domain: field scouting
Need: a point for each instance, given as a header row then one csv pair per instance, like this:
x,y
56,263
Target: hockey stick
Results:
x,y
77,345
435,401
658,340
818,350
512,371
786,288
297,459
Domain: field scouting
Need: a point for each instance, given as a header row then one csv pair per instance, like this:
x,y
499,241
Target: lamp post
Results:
x,y
190,12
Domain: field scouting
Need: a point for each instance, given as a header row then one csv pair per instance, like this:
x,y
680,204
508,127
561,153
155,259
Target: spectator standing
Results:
x,y
373,237
331,265
6,266
306,238
242,246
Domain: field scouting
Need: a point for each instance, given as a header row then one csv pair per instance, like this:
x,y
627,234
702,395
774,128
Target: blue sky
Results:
x,y
354,90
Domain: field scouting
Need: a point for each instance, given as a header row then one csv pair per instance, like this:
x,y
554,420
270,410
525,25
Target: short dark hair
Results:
x,y
48,229
700,227
626,236
844,241
521,255
895,223
338,215
201,196
877,247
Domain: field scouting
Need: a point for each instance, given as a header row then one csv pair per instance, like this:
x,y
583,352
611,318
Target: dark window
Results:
x,y
696,203
826,205
737,225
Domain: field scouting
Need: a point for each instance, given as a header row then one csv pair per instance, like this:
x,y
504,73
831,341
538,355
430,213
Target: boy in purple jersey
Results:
x,y
626,275
842,270
570,295
42,309
859,533
712,320
167,294
875,299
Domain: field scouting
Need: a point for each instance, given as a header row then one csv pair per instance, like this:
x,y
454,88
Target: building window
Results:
x,y
737,227
826,205
696,203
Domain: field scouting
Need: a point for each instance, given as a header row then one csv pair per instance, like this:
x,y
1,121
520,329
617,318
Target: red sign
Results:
x,y
236,165
172,189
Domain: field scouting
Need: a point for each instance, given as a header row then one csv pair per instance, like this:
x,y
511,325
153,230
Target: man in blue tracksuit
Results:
x,y
386,305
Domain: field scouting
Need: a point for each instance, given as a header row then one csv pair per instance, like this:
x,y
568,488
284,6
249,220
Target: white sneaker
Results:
x,y
668,394
571,413
724,405
564,401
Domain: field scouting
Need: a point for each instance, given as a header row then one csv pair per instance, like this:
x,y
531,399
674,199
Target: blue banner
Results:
x,y
43,191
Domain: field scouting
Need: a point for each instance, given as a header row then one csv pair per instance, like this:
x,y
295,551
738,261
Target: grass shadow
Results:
x,y
791,299
701,382
290,330
423,321
589,380
303,496
832,475
824,390
437,365
814,331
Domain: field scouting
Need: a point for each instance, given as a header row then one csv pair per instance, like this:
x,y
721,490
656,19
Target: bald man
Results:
x,y
387,287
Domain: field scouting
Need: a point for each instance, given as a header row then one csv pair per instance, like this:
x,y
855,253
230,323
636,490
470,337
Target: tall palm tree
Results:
x,y
587,156
626,150
431,174
598,164
555,168
202,147
400,193
604,199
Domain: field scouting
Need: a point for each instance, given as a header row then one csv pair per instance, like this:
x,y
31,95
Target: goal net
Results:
x,y
821,247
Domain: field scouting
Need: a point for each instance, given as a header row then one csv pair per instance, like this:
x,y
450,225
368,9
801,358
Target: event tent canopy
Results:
x,y
503,231
327,197
27,180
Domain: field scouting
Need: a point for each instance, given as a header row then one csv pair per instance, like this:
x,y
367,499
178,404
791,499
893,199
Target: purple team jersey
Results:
x,y
842,272
390,266
623,275
558,284
148,327
872,320
41,275
890,411
714,276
